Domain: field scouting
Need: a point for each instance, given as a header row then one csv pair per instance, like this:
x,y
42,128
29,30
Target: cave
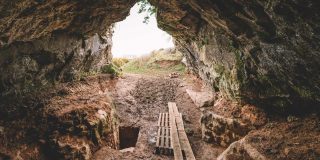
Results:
x,y
261,56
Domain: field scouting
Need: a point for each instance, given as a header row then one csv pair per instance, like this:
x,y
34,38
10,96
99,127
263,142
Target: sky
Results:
x,y
133,38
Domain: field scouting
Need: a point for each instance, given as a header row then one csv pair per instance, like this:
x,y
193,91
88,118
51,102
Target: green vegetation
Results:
x,y
157,63
111,69
146,7
119,62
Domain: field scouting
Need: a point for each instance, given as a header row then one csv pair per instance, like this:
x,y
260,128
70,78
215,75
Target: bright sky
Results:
x,y
134,38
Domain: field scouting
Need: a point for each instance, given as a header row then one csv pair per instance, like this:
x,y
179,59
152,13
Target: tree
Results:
x,y
146,7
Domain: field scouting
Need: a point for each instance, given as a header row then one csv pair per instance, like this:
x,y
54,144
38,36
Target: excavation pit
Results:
x,y
128,137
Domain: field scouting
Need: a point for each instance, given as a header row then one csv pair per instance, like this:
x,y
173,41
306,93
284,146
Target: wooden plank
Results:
x,y
165,119
159,121
175,109
167,138
162,120
158,137
162,137
183,139
174,134
168,123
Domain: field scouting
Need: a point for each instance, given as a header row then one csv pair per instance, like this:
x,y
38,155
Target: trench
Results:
x,y
128,137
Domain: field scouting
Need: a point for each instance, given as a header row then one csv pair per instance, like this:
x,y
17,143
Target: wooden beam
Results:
x,y
183,138
174,134
184,141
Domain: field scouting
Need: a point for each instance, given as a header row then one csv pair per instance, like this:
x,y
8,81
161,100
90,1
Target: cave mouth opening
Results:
x,y
139,35
128,137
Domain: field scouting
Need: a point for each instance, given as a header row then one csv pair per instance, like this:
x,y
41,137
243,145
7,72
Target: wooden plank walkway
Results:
x,y
172,137
163,144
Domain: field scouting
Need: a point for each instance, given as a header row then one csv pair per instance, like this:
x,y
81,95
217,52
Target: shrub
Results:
x,y
111,69
119,62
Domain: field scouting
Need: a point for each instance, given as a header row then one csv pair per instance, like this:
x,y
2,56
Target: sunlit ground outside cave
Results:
x,y
159,80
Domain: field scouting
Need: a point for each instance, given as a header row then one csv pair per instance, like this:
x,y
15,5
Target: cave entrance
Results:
x,y
139,34
128,137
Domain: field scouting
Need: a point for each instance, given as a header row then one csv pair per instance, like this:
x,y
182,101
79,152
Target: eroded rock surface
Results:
x,y
279,140
220,130
43,42
263,52
26,66
201,99
241,150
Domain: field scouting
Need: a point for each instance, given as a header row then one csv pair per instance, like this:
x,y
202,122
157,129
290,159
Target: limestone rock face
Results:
x,y
43,42
262,52
23,20
60,57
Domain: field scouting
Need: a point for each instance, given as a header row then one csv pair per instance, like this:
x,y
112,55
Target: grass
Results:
x,y
159,62
119,62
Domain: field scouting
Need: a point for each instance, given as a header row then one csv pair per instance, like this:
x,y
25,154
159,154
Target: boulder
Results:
x,y
201,99
241,150
220,130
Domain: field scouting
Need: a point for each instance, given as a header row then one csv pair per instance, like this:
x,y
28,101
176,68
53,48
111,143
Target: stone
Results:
x,y
101,114
241,150
130,149
68,147
220,130
201,99
292,118
174,75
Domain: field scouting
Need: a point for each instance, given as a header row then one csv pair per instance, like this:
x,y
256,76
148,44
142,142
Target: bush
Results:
x,y
111,69
119,62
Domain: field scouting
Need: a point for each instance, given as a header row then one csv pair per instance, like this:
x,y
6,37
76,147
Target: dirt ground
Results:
x,y
140,98
70,110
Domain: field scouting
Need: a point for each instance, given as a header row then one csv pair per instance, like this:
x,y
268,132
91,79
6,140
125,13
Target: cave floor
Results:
x,y
138,101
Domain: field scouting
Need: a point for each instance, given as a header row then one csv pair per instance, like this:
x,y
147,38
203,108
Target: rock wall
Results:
x,y
262,52
43,42
26,66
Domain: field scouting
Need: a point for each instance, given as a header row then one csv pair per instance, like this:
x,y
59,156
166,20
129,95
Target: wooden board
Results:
x,y
174,134
183,138
184,141
163,145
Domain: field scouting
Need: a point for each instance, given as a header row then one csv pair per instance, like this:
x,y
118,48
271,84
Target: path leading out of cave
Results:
x,y
140,98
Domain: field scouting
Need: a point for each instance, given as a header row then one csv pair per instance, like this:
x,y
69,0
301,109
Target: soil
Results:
x,y
27,124
293,138
139,99
66,112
